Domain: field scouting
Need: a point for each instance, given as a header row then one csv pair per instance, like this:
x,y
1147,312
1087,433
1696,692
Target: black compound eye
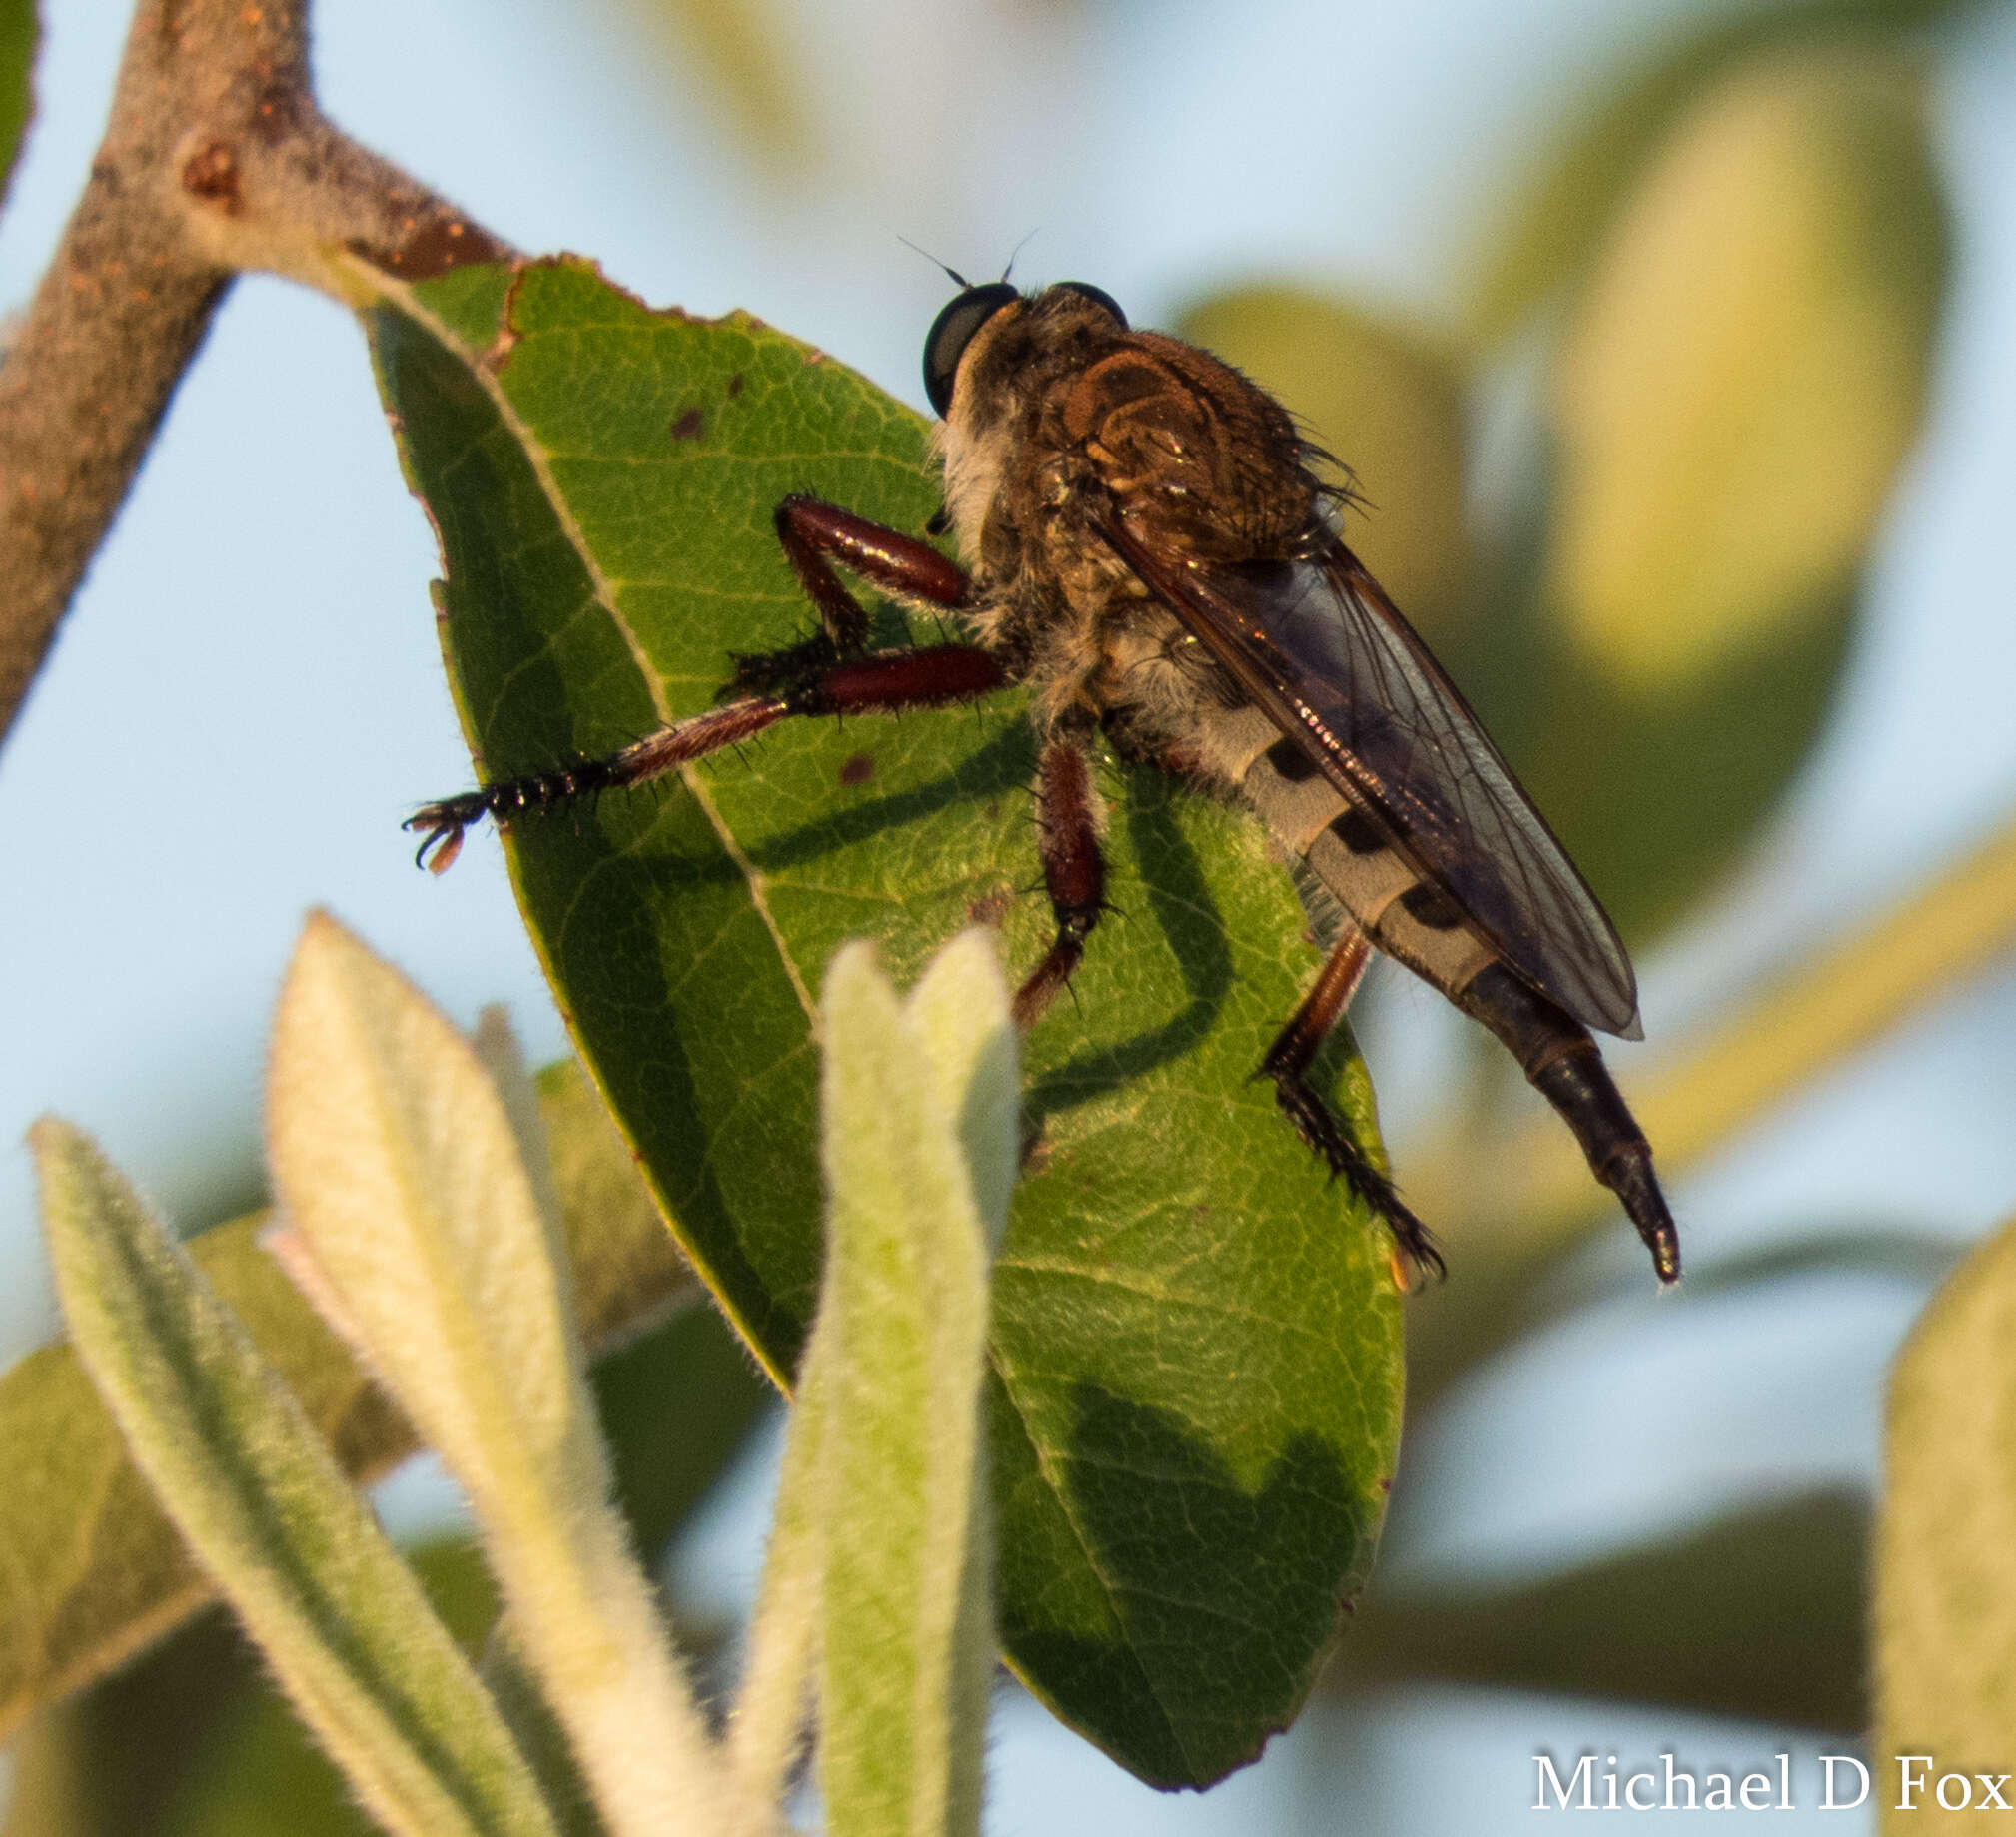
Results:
x,y
953,331
1098,296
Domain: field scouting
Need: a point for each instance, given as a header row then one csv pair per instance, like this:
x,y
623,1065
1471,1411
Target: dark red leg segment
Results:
x,y
1074,871
1561,1062
887,683
1287,1063
816,533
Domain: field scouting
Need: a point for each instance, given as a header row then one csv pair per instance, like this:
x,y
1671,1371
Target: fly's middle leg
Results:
x,y
1074,869
1287,1063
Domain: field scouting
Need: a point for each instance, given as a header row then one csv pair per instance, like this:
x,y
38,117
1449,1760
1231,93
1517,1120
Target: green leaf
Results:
x,y
90,1570
1724,465
1548,235
107,1762
401,1168
191,1739
1661,655
540,1734
1757,1615
1945,1596
20,38
900,1345
1196,1386
250,1484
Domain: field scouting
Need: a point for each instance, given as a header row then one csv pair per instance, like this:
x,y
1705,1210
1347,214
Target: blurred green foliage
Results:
x,y
1757,1613
746,61
20,37
1747,368
1558,224
1945,1613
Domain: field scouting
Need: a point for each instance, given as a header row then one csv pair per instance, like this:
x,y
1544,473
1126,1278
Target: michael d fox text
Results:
x,y
1835,1782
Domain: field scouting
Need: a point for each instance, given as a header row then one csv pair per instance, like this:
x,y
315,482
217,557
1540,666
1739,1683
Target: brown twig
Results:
x,y
215,159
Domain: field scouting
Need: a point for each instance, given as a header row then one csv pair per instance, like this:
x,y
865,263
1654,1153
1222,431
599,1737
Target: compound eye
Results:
x,y
953,331
1098,296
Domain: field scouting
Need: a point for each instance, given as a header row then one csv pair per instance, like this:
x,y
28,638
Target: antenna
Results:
x,y
1016,255
935,262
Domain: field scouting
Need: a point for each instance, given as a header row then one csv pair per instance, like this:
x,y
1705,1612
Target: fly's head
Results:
x,y
995,359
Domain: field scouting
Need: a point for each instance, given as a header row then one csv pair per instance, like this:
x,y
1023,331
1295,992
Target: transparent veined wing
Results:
x,y
1320,647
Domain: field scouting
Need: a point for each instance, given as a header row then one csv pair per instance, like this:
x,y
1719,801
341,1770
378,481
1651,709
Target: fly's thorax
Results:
x,y
1199,461
1407,916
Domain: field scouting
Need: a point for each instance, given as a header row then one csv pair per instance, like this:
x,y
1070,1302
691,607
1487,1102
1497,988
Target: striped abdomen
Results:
x,y
1418,923
1409,918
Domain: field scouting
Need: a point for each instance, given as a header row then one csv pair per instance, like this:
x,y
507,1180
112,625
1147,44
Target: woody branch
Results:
x,y
216,160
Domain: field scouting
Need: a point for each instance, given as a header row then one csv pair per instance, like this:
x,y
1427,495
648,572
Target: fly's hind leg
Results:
x,y
1074,869
1287,1063
815,537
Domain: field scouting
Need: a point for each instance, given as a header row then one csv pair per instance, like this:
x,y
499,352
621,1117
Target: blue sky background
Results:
x,y
247,698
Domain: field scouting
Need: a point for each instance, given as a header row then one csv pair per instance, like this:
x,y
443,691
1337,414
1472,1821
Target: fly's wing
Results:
x,y
1321,648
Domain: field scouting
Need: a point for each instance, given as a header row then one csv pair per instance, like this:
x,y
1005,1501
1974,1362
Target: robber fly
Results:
x,y
1148,546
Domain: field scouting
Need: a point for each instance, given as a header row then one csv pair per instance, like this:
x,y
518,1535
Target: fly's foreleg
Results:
x,y
815,537
1074,869
887,683
1561,1062
1287,1063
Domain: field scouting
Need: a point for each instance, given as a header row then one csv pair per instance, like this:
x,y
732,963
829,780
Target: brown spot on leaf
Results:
x,y
212,175
859,767
688,426
735,386
989,908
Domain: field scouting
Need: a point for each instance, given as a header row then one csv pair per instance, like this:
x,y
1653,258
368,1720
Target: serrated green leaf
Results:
x,y
1945,1596
20,38
1758,1613
89,1571
340,1618
1196,1338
